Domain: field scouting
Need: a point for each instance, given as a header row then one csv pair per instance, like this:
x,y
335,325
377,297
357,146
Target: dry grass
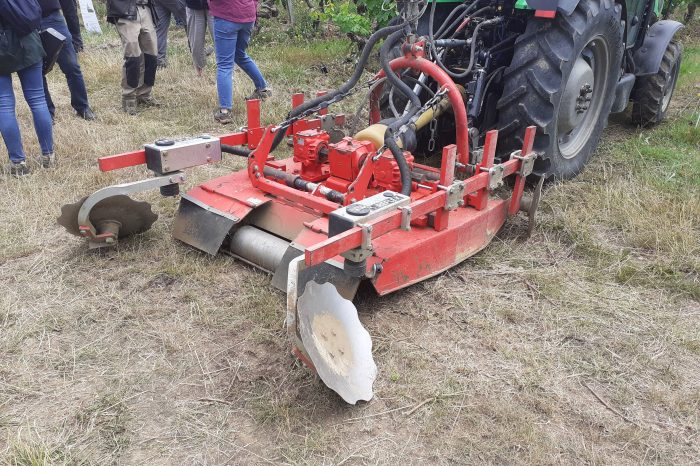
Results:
x,y
581,345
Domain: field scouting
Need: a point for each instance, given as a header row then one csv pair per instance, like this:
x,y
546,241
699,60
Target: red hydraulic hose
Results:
x,y
443,79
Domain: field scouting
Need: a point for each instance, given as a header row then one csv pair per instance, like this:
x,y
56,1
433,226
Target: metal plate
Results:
x,y
337,343
200,226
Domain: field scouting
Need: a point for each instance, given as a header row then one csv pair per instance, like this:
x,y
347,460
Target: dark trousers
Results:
x,y
68,62
70,13
165,9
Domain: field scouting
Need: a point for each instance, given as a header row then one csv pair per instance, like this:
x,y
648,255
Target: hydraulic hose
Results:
x,y
389,135
404,169
349,84
431,37
240,151
446,23
393,78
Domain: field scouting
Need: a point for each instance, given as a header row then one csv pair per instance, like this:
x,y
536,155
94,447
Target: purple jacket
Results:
x,y
236,11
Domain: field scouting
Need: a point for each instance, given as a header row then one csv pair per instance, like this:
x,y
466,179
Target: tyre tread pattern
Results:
x,y
534,80
649,90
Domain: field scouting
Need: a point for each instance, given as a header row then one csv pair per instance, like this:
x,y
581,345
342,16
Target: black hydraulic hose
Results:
x,y
446,23
235,150
349,84
391,76
472,54
389,135
474,15
404,169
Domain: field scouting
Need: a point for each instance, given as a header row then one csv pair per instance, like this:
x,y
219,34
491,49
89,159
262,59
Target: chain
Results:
x,y
433,126
289,121
432,104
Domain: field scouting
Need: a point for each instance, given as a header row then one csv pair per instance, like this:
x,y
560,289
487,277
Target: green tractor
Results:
x,y
560,65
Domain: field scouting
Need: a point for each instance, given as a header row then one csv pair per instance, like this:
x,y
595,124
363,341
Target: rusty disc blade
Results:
x,y
133,216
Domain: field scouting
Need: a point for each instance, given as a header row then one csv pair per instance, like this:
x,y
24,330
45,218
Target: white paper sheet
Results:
x,y
87,10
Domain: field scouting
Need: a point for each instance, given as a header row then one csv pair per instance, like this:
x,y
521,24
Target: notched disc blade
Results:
x,y
337,343
134,216
534,204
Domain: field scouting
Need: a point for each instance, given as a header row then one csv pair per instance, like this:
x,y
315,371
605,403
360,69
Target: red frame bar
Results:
x,y
352,238
127,159
250,137
528,141
447,176
481,198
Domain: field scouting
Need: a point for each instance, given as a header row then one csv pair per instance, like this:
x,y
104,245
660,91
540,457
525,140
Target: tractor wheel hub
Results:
x,y
577,96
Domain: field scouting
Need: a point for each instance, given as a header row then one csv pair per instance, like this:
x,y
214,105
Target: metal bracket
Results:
x,y
455,195
527,162
477,156
495,176
365,249
87,229
406,218
327,122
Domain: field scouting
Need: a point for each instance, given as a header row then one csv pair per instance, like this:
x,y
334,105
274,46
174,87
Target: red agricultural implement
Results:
x,y
341,210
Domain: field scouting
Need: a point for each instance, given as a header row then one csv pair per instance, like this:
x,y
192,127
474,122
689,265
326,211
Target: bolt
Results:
x,y
460,203
109,240
207,145
257,175
166,168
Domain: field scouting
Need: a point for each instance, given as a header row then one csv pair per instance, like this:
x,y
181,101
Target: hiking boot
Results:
x,y
87,114
47,160
208,51
160,64
130,106
261,94
223,116
19,169
148,101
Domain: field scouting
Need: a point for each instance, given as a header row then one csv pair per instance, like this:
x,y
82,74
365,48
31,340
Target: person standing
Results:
x,y
67,62
198,20
233,25
135,22
22,53
70,13
165,9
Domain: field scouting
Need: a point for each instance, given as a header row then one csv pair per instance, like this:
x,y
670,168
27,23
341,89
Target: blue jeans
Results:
x,y
68,62
33,89
231,41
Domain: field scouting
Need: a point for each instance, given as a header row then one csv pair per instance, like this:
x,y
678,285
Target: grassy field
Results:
x,y
579,345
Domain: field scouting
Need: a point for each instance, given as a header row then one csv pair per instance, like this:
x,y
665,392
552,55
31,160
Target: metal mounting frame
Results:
x,y
87,229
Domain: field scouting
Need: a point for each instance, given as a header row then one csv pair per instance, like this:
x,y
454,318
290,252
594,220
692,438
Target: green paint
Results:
x,y
658,6
522,5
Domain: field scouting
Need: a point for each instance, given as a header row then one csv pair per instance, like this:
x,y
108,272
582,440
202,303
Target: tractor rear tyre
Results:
x,y
562,80
652,94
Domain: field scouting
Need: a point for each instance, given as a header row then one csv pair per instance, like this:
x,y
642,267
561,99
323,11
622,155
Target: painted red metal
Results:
x,y
519,185
545,13
436,240
447,171
127,159
479,199
444,80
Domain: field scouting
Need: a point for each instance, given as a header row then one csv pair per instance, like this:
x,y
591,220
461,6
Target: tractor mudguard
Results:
x,y
647,59
563,6
623,90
